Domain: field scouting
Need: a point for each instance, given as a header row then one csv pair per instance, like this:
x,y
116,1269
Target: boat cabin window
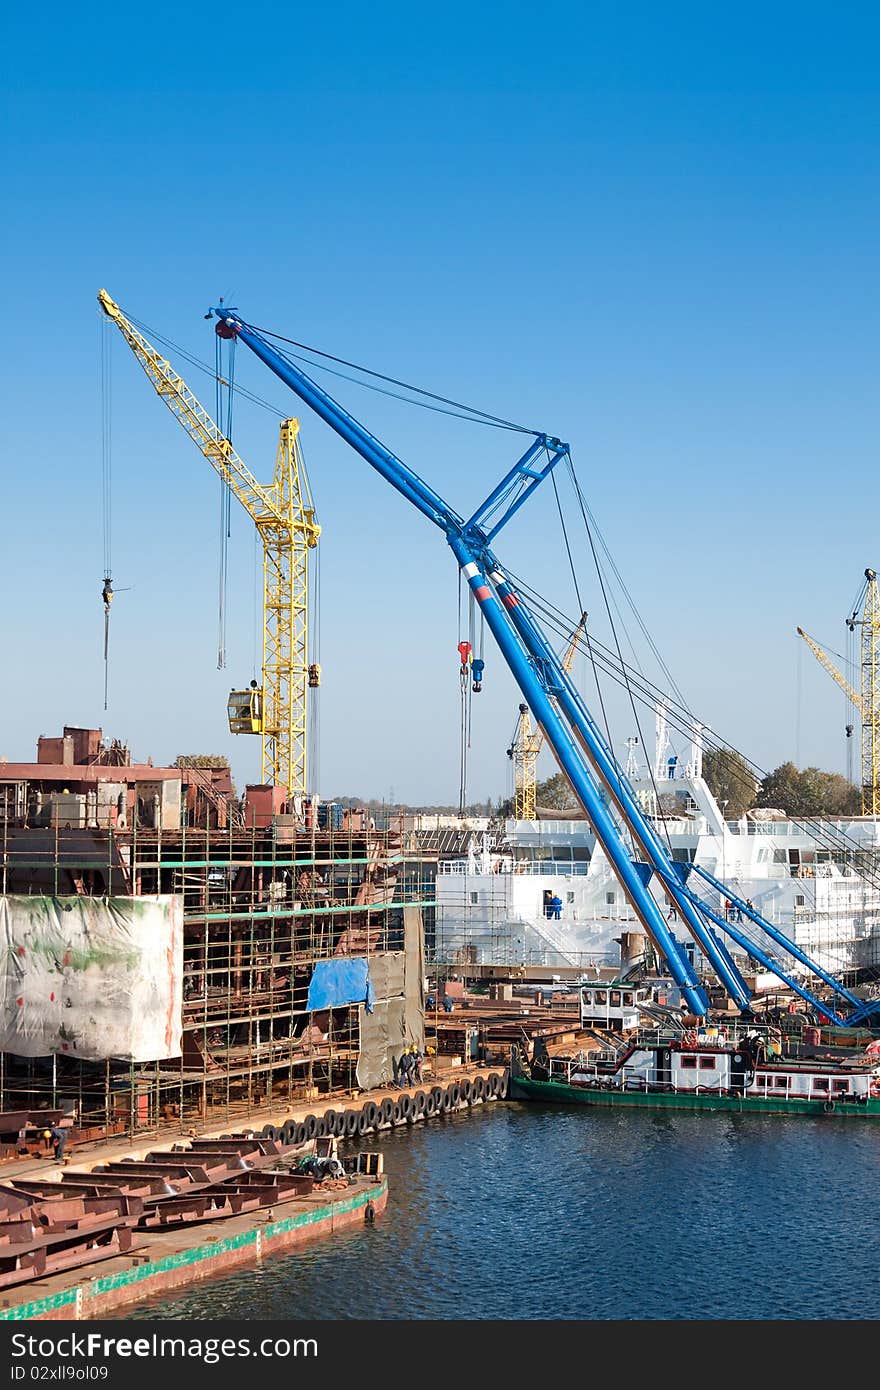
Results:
x,y
781,1083
689,1063
615,998
707,1064
610,898
842,1087
628,997
820,1083
569,897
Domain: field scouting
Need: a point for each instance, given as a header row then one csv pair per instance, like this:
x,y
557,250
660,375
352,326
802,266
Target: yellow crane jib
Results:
x,y
868,701
528,742
284,515
838,676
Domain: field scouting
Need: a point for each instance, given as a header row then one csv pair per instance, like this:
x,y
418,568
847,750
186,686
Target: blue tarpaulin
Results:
x,y
343,981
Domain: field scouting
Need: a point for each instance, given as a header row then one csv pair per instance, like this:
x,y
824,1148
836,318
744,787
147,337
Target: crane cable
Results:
x,y
849,722
580,605
683,720
201,366
465,650
314,651
589,532
106,481
225,492
472,413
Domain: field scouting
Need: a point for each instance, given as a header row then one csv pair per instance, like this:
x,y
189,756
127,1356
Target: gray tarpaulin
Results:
x,y
383,1037
398,1017
414,945
92,977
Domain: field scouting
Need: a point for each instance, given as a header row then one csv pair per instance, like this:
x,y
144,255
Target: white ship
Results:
x,y
817,881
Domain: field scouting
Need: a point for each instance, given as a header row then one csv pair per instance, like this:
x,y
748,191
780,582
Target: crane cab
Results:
x,y
245,710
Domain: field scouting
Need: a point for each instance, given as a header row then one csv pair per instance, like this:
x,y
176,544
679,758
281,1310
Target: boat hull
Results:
x,y
561,1093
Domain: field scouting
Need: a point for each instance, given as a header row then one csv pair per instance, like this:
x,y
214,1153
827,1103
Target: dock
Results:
x,y
171,1258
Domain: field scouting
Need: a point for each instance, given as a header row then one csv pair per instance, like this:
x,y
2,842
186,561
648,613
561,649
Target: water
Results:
x,y
523,1211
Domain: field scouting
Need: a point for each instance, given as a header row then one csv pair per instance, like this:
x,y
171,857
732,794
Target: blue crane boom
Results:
x,y
577,743
610,774
747,910
467,540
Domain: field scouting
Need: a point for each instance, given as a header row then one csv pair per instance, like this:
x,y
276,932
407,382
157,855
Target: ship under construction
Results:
x,y
177,954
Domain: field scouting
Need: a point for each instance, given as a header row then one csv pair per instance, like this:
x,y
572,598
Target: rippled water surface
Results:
x,y
513,1211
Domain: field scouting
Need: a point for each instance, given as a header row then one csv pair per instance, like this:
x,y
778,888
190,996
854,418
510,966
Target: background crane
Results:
x,y
528,742
866,616
285,519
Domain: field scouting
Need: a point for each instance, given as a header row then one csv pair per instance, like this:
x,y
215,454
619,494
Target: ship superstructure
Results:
x,y
815,880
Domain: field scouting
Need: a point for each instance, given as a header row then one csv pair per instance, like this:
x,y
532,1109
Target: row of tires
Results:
x,y
405,1109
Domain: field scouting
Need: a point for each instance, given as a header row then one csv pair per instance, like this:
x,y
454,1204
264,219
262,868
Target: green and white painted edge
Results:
x,y
82,1294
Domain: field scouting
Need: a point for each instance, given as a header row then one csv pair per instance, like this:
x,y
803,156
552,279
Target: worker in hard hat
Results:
x,y
59,1139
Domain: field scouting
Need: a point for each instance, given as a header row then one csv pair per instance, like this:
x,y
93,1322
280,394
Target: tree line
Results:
x,y
797,791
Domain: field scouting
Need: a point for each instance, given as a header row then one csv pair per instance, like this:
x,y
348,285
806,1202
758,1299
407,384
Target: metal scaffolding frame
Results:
x,y
261,906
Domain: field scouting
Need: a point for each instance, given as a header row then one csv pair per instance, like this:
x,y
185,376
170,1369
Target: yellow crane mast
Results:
x,y
285,519
528,742
867,703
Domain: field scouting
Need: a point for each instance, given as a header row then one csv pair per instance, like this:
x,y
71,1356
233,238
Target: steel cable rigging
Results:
x,y
105,344
824,833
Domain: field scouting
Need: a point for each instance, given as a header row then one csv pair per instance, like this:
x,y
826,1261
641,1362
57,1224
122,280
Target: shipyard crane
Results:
x,y
285,520
576,740
528,742
865,615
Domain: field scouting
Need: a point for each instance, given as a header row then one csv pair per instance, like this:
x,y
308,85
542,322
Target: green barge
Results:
x,y
704,1071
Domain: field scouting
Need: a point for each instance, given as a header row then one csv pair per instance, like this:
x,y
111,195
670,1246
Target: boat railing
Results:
x,y
531,868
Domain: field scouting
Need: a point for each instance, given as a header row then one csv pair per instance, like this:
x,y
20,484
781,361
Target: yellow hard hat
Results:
x,y
47,1134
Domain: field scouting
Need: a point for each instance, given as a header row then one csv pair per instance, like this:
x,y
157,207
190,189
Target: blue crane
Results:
x,y
579,747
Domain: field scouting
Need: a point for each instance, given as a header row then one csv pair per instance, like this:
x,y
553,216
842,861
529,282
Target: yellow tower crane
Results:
x,y
868,702
285,519
528,742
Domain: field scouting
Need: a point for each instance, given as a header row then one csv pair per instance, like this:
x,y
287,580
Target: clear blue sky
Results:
x,y
650,229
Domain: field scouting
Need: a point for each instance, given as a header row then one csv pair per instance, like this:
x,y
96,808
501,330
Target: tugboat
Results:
x,y
646,1061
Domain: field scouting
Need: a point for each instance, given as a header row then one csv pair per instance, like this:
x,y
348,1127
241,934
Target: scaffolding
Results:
x,y
262,905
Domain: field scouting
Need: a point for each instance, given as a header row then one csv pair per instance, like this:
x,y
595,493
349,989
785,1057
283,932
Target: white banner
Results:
x,y
92,977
